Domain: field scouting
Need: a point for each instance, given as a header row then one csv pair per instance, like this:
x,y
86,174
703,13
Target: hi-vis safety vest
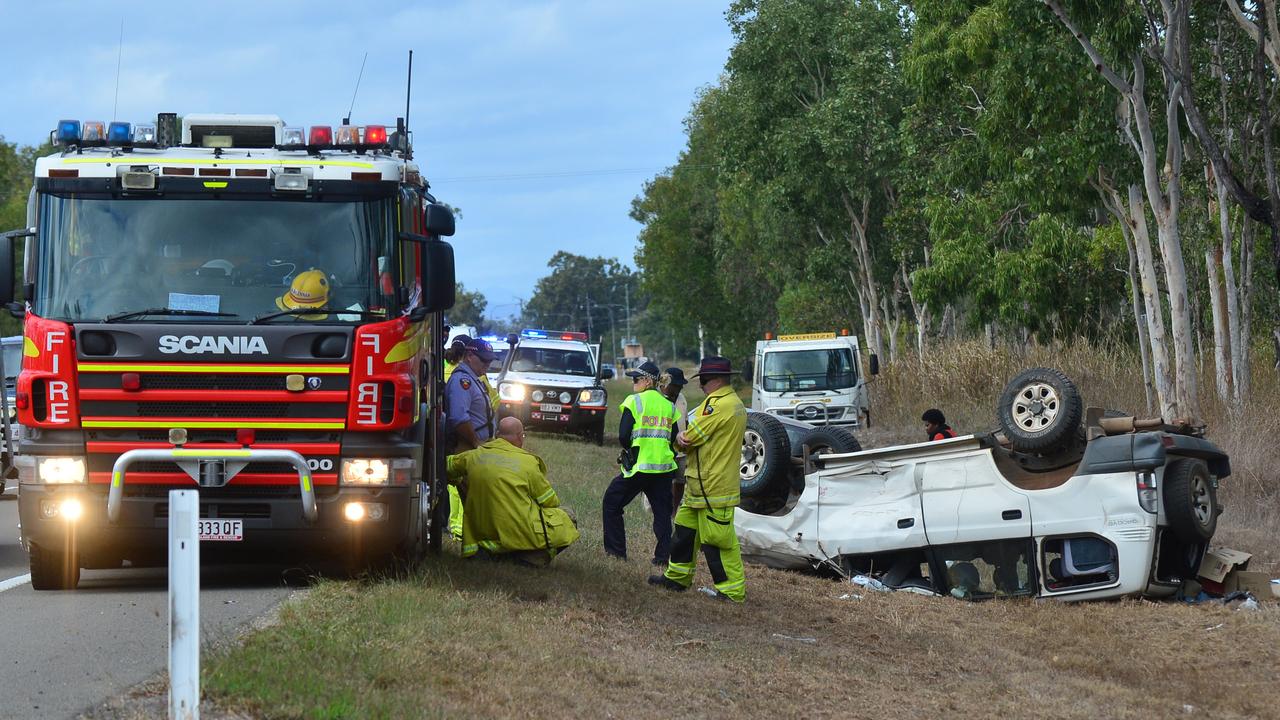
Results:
x,y
655,418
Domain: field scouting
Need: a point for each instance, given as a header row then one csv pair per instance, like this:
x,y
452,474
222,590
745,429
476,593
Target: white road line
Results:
x,y
14,582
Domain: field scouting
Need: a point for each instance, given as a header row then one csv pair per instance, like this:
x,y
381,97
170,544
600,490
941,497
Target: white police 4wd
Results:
x,y
551,381
813,377
1115,506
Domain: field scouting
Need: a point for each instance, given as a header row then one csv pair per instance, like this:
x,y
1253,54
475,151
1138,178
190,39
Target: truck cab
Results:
x,y
228,303
813,377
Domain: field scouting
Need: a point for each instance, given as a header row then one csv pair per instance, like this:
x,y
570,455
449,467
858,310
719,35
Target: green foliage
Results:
x,y
468,307
583,294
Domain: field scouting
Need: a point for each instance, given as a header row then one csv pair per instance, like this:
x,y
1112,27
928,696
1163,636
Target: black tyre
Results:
x,y
53,570
1040,410
831,439
597,435
1190,500
766,456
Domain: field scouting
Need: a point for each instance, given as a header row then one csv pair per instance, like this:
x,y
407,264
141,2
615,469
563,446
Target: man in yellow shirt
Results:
x,y
511,510
713,440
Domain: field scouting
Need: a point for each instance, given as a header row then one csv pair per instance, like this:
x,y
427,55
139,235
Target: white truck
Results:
x,y
813,377
1050,506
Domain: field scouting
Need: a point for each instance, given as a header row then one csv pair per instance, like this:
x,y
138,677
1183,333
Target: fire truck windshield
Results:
x,y
224,260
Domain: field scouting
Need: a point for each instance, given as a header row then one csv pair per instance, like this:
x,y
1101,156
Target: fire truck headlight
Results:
x,y
365,471
511,392
60,470
71,509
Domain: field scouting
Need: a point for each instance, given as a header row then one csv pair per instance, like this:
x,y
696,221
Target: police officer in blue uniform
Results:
x,y
469,413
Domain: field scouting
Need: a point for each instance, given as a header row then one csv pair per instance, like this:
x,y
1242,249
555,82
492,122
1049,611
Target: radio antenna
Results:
x,y
408,92
347,120
115,104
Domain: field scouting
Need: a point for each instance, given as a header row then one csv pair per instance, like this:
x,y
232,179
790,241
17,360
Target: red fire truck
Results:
x,y
227,302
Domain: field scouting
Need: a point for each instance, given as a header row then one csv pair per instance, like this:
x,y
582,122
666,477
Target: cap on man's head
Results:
x,y
677,376
712,365
646,369
482,349
460,340
935,416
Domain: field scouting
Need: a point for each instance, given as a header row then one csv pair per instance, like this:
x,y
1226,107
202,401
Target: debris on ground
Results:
x,y
869,582
809,640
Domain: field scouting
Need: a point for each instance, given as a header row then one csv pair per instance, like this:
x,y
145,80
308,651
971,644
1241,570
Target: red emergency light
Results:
x,y
570,335
320,135
375,135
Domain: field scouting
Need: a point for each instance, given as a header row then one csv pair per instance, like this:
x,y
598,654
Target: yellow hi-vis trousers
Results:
x,y
712,530
455,513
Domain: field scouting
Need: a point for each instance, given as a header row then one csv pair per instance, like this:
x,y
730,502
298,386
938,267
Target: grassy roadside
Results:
x,y
588,638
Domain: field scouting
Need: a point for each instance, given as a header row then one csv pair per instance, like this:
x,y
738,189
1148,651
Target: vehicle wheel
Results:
x,y
598,435
53,570
1190,500
831,439
1039,410
766,456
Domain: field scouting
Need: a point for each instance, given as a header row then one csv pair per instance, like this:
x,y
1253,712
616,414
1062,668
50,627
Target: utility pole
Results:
x,y
590,334
627,293
673,346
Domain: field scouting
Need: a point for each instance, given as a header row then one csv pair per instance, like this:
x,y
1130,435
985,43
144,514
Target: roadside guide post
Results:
x,y
184,605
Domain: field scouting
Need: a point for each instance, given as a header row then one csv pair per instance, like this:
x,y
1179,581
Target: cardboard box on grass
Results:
x,y
1217,565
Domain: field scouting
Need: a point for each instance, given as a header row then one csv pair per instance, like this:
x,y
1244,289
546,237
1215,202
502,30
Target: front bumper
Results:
x,y
275,527
573,419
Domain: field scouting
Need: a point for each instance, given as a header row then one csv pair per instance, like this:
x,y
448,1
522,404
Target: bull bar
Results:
x,y
210,468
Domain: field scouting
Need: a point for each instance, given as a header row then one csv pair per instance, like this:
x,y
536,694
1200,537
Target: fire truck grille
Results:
x,y
212,382
113,408
160,466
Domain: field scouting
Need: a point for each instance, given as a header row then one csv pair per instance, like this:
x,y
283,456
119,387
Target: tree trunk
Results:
x,y
1116,206
1151,298
1244,368
1226,251
1221,334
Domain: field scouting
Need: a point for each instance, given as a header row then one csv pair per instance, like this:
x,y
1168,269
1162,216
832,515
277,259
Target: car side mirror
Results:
x,y
874,362
513,339
439,220
748,371
607,373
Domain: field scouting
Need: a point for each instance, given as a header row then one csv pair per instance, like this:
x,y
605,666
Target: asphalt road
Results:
x,y
62,653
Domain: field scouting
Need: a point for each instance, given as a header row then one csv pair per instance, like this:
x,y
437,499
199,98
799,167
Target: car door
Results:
x,y
868,506
965,499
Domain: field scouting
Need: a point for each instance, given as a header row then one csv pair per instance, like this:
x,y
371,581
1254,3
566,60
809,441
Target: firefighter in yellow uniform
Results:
x,y
512,511
713,440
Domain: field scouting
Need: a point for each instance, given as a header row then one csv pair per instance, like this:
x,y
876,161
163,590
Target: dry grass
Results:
x,y
588,637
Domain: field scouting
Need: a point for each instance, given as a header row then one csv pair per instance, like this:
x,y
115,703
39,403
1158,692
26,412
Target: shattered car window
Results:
x,y
999,568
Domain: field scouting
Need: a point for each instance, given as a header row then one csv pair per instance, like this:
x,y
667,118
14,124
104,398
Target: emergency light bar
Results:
x,y
93,133
548,334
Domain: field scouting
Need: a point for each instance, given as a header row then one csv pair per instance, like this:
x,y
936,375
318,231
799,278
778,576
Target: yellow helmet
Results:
x,y
309,289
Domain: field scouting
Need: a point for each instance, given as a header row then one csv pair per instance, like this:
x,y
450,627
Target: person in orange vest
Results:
x,y
935,425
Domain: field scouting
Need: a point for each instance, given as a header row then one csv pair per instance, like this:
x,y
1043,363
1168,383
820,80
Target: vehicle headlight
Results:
x,y
376,471
565,398
365,471
537,395
60,470
511,392
591,396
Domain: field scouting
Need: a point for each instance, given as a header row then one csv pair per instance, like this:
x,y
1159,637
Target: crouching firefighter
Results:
x,y
713,439
512,512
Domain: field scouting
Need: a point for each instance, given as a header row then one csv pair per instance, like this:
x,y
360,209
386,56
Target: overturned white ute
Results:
x,y
1059,503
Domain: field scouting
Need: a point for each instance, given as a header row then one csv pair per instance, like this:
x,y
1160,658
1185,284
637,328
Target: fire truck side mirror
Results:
x,y
748,369
439,220
874,362
7,262
437,276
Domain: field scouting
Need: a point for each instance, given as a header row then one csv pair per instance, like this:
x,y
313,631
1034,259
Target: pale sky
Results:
x,y
540,120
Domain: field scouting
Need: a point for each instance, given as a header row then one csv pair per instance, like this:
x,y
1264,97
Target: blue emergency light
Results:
x,y
68,131
534,333
119,133
492,338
